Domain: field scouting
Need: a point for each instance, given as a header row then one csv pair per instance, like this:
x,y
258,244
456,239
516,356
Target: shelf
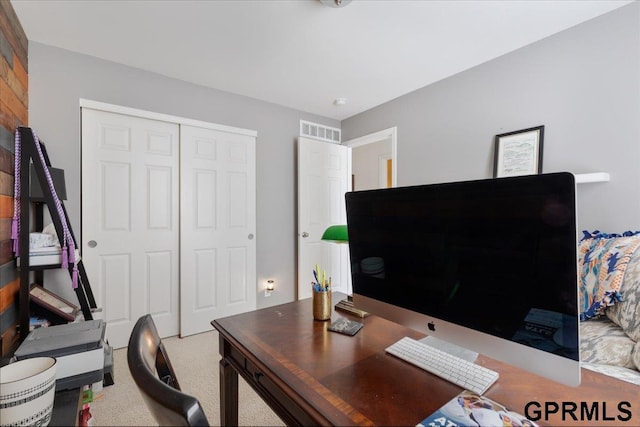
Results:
x,y
46,260
32,169
584,178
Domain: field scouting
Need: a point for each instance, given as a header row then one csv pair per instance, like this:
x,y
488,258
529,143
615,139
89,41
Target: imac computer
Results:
x,y
488,265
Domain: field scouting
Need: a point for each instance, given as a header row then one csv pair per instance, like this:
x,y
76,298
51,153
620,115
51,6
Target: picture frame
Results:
x,y
53,303
518,153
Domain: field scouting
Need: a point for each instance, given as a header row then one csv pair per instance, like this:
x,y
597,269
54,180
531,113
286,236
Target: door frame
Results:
x,y
112,108
180,121
382,135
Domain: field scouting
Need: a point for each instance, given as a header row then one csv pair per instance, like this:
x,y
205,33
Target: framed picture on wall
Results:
x,y
518,153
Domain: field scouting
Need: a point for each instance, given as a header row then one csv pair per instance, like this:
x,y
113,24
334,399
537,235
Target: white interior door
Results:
x,y
218,222
130,226
324,172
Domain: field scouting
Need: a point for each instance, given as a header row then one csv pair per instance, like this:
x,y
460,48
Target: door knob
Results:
x,y
250,236
305,234
92,243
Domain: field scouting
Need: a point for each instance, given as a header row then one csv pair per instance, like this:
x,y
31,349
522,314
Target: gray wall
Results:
x,y
583,84
59,78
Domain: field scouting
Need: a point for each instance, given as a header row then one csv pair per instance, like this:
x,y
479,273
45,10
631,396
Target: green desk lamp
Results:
x,y
336,233
339,234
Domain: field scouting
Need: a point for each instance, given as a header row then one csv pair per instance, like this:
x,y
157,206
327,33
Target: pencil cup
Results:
x,y
322,305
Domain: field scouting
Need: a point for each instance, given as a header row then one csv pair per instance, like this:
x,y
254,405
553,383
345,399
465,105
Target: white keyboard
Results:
x,y
463,373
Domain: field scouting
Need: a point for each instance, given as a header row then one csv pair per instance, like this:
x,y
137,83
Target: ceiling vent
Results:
x,y
321,132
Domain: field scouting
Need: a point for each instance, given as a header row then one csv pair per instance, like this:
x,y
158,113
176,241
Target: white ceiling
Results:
x,y
301,53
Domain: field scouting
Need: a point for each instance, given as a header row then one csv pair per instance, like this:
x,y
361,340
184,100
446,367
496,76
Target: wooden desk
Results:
x,y
310,376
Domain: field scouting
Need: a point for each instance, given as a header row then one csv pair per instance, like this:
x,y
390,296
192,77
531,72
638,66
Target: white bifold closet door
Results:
x,y
168,222
218,246
130,220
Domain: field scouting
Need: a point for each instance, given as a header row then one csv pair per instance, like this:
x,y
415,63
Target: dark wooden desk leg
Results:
x,y
228,394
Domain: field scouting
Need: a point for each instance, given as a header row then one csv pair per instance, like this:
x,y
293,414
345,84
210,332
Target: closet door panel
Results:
x,y
116,196
161,200
205,200
217,219
238,199
205,283
158,283
130,220
115,275
237,284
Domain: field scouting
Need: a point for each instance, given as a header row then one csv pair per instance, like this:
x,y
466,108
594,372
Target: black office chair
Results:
x,y
152,371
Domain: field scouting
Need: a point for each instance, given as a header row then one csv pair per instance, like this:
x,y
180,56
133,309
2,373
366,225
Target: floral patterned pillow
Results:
x,y
626,314
603,259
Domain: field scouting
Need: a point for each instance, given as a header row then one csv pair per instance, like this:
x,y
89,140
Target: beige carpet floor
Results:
x,y
195,360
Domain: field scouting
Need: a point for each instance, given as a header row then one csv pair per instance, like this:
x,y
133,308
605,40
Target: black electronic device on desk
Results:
x,y
484,264
82,355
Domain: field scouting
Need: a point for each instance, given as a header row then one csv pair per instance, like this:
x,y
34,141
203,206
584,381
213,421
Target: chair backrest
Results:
x,y
152,372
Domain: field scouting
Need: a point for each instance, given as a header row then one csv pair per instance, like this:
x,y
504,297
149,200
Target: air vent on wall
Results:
x,y
321,132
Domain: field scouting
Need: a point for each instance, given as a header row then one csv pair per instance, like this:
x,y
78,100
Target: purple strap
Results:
x,y
15,223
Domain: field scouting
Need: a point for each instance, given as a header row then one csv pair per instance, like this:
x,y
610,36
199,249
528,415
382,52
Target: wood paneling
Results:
x,y
13,32
6,252
14,103
6,184
6,162
6,207
8,338
21,73
16,84
8,294
7,119
5,229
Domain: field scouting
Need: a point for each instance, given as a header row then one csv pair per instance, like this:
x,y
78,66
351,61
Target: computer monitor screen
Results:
x,y
489,265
